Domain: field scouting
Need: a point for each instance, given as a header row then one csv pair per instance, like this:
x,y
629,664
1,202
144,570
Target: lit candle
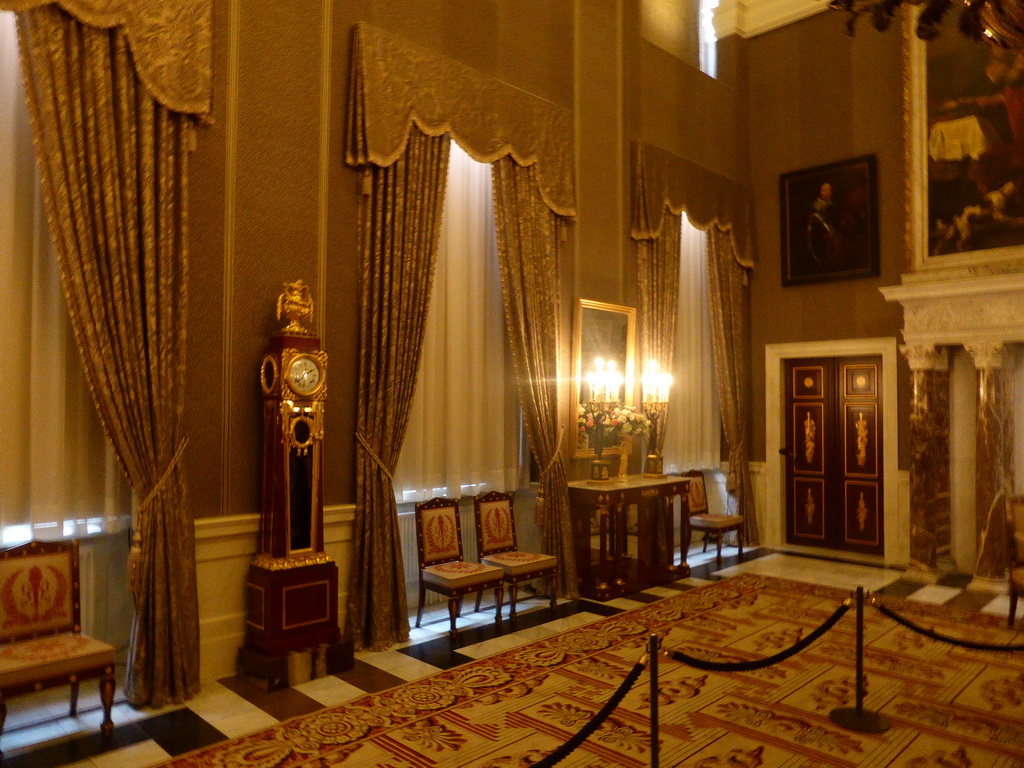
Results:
x,y
649,380
664,382
599,389
614,382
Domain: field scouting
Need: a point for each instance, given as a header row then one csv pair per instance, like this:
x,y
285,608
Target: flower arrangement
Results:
x,y
620,422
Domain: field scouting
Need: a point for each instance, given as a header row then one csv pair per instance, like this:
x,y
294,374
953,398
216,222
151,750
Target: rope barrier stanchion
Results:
x,y
857,718
653,646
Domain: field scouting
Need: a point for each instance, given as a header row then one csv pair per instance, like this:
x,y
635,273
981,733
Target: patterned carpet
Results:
x,y
949,707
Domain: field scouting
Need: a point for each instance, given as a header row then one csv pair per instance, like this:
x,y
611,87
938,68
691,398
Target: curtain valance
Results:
x,y
395,83
171,43
663,180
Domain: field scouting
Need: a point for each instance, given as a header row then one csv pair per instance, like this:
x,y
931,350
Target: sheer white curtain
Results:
x,y
58,476
463,437
694,423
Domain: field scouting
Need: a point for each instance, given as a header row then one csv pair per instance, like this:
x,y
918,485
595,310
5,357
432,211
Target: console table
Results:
x,y
610,570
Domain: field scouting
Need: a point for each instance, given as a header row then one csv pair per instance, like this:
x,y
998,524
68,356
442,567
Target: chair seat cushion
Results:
x,y
515,563
30,660
460,574
715,522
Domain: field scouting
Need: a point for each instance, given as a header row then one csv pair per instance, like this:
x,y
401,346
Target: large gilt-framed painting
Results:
x,y
965,139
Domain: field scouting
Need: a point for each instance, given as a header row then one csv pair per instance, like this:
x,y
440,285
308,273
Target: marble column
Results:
x,y
929,455
994,451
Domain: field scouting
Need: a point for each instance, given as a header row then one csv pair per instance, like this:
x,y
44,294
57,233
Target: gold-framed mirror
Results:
x,y
605,331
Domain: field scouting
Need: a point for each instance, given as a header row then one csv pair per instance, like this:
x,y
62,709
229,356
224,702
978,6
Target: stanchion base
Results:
x,y
862,722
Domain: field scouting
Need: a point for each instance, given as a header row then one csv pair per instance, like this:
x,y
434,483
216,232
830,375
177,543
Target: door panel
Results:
x,y
833,479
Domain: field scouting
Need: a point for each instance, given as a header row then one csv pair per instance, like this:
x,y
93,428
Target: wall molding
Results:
x,y
230,211
225,546
748,18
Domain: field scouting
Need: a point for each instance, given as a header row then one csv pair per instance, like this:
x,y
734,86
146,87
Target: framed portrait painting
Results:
x,y
829,222
965,138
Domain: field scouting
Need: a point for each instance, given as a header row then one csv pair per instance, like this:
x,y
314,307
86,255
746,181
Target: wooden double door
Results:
x,y
834,453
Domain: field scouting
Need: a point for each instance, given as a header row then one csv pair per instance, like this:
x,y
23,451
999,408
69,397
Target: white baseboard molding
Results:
x,y
225,546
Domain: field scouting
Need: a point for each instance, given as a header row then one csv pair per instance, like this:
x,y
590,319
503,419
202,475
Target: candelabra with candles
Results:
x,y
655,386
605,384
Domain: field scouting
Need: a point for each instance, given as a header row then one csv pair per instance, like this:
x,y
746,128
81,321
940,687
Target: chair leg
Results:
x,y
458,612
452,615
479,597
718,554
739,538
1013,607
513,590
419,611
107,697
74,698
705,541
499,593
552,601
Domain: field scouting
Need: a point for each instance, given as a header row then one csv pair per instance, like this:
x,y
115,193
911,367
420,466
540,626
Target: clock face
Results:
x,y
304,375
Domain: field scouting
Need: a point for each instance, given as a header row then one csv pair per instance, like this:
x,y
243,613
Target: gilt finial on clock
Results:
x,y
296,304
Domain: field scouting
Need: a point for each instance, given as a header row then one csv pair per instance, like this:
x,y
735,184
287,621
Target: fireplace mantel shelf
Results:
x,y
961,310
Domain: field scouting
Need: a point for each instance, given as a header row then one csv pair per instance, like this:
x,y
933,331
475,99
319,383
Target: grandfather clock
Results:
x,y
292,587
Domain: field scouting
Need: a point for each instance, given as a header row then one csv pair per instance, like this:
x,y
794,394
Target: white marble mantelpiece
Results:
x,y
975,314
961,310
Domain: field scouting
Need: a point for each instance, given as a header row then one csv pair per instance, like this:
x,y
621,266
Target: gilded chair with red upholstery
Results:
x,y
442,566
496,545
41,640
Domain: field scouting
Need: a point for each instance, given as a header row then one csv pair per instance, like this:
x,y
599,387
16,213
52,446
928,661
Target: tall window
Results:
x,y
463,436
708,39
58,477
693,439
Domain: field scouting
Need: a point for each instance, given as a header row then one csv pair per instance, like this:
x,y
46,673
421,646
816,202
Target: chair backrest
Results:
x,y
39,592
1015,530
697,496
495,523
438,532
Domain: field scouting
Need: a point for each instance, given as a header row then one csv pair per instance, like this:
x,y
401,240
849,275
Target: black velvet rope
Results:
x,y
944,638
747,666
595,722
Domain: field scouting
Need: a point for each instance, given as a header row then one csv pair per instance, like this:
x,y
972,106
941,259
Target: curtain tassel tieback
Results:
x,y
135,553
540,508
557,452
374,456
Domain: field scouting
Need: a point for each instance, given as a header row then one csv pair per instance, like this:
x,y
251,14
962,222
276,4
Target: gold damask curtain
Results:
x,y
400,223
664,186
114,166
730,320
396,84
528,254
658,293
400,94
171,43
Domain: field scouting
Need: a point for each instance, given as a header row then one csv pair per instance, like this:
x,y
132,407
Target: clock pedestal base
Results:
x,y
272,673
292,608
292,630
